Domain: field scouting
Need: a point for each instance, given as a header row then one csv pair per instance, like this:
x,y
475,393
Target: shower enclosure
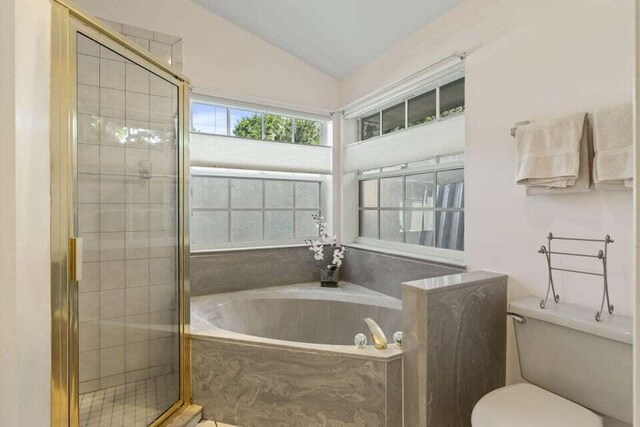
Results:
x,y
119,236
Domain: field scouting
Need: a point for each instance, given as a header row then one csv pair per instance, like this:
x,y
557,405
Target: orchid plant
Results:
x,y
317,246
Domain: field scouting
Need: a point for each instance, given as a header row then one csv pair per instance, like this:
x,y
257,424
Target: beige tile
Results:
x,y
112,217
88,70
112,304
160,109
113,131
89,306
137,79
137,217
88,129
86,46
112,189
137,244
137,106
89,365
89,336
134,157
161,51
112,103
90,277
88,187
112,275
112,160
137,300
137,273
159,86
111,246
137,328
137,356
88,100
111,361
112,332
88,217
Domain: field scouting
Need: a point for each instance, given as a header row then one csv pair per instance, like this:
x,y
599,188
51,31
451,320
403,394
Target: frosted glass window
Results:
x,y
246,226
420,191
450,230
391,192
450,189
369,193
278,225
246,193
369,224
209,227
391,226
419,227
425,209
228,210
210,192
306,225
307,195
278,194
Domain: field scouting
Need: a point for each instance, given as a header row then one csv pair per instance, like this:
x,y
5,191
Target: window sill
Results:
x,y
201,250
440,256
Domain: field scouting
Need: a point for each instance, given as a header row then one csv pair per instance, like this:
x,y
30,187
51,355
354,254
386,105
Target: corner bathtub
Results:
x,y
284,356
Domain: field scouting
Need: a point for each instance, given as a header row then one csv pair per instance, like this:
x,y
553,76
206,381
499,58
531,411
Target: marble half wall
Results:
x,y
238,270
385,272
256,386
454,346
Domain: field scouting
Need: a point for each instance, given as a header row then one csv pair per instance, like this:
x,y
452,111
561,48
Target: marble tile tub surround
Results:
x,y
385,272
236,270
243,377
256,386
455,346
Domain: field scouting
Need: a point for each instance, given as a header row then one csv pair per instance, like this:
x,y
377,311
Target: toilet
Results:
x,y
578,370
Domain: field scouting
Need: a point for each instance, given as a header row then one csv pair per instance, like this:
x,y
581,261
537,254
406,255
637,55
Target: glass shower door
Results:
x,y
126,212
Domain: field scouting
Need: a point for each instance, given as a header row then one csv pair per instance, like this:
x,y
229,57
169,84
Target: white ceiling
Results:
x,y
335,36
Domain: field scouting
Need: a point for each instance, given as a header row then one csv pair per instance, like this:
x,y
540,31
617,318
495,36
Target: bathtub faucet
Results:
x,y
379,339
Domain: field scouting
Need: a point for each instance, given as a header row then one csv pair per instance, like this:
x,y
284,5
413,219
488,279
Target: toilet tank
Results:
x,y
564,350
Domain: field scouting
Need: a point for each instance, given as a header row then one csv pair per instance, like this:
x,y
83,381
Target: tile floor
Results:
x,y
129,405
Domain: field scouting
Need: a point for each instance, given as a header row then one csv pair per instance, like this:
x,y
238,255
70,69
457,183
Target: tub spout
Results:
x,y
379,339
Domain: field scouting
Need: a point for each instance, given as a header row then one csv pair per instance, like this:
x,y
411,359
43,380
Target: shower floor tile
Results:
x,y
135,404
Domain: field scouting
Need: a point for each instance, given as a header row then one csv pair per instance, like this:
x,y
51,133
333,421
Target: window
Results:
x,y
419,203
243,123
228,210
444,101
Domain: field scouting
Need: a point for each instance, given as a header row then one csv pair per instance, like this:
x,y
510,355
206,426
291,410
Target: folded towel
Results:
x,y
549,154
583,183
613,145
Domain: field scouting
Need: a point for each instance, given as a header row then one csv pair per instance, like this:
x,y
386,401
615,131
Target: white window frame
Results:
x,y
324,140
434,85
263,176
430,253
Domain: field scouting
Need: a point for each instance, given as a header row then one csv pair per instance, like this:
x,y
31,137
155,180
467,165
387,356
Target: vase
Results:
x,y
329,278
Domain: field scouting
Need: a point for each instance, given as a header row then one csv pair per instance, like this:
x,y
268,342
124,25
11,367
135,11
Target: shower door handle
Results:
x,y
75,258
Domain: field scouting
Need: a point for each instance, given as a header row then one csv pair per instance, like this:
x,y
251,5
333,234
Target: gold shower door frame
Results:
x,y
66,21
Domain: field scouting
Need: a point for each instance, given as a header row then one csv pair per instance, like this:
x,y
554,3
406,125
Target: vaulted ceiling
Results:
x,y
335,36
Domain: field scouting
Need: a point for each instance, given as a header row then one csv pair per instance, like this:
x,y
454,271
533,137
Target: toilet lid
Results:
x,y
525,405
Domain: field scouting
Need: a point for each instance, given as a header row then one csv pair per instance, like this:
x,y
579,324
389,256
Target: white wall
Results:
x,y
25,326
528,59
219,55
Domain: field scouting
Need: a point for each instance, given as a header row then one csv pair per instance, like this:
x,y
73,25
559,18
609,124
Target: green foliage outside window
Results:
x,y
278,128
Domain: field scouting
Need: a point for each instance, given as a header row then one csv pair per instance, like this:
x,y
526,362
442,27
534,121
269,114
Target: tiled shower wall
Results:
x,y
163,46
127,297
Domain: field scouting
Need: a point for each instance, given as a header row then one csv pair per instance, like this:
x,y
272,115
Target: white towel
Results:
x,y
583,182
553,155
613,145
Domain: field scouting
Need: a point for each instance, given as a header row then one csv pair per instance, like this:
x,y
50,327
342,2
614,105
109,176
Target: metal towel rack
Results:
x,y
601,255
